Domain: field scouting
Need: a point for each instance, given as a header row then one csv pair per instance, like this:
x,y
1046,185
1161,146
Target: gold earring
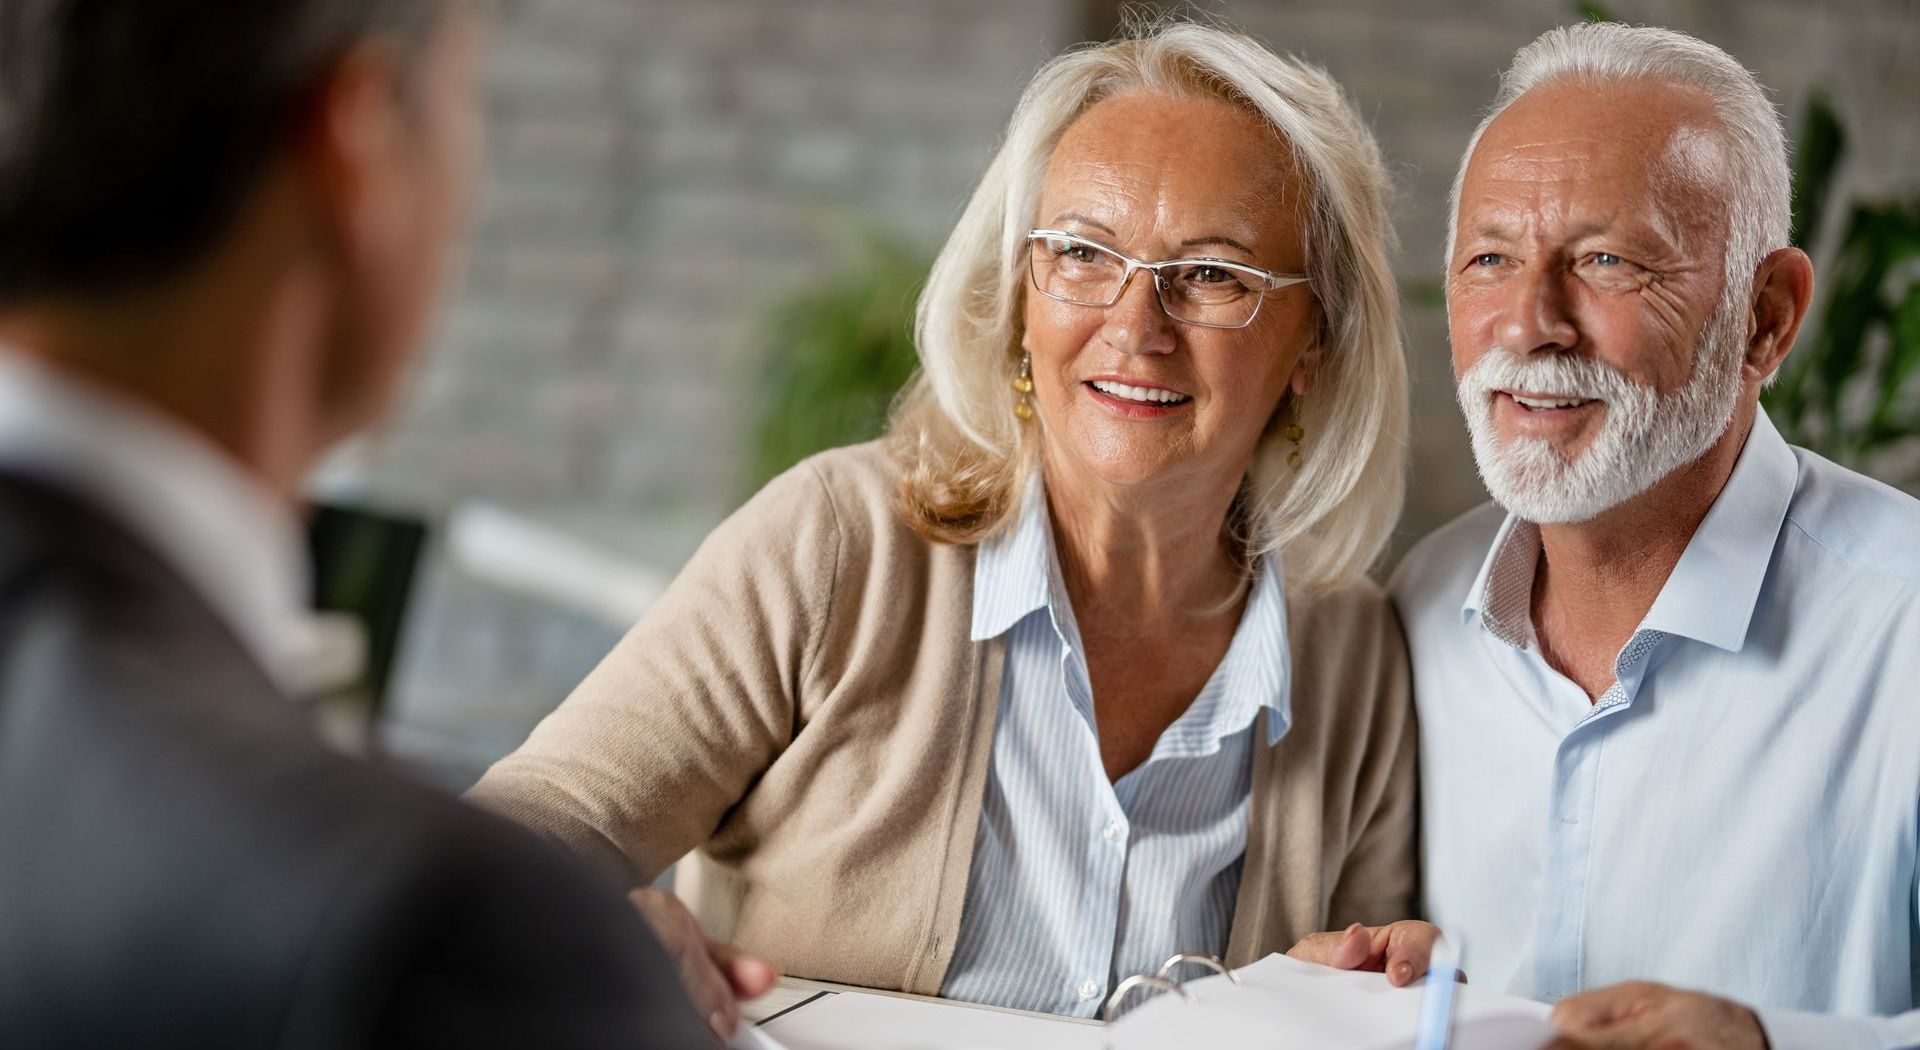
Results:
x,y
1023,388
1294,433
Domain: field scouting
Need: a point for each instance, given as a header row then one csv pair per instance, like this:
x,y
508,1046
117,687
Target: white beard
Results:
x,y
1644,435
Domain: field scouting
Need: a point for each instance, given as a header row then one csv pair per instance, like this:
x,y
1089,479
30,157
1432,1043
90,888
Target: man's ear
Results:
x,y
352,148
1782,294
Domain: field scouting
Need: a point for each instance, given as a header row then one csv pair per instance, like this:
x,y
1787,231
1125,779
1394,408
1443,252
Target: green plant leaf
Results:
x,y
1903,352
1816,156
836,352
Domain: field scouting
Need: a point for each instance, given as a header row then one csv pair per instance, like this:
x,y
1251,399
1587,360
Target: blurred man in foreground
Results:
x,y
222,227
1667,680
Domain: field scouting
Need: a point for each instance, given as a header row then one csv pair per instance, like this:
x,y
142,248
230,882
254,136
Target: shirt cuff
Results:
x,y
1800,1030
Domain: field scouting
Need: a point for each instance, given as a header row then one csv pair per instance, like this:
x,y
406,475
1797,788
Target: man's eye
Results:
x,y
1607,259
1489,259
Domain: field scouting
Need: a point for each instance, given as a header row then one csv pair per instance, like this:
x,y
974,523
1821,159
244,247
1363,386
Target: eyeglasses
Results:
x,y
1211,293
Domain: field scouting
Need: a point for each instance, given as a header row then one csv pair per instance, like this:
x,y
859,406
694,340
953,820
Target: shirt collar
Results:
x,y
1015,575
236,546
1713,590
1012,571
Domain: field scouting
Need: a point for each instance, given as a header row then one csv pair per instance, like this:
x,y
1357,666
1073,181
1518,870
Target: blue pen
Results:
x,y
1436,1000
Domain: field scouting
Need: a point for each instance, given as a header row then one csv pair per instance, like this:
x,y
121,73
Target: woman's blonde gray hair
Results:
x,y
967,455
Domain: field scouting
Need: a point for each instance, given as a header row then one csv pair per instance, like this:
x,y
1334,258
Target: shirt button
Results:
x,y
1114,832
1089,989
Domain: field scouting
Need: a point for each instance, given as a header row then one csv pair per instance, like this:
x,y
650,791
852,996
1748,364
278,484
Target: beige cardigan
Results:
x,y
805,709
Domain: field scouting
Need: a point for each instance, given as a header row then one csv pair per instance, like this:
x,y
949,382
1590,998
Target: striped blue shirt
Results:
x,y
1078,883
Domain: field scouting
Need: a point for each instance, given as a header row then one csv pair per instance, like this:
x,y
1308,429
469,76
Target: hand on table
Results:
x,y
1643,1016
717,977
1401,950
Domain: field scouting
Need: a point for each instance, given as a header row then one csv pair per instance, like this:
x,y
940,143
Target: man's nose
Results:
x,y
1136,323
1534,315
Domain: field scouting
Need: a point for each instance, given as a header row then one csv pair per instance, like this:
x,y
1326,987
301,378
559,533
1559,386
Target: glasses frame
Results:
x,y
1266,281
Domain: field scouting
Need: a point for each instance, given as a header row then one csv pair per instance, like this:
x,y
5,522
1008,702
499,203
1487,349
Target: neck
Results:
x,y
230,358
1161,555
1597,579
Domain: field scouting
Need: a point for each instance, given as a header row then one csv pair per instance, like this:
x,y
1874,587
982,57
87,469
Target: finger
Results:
x,y
1317,947
1346,950
710,992
750,976
1603,1008
1354,949
679,933
1409,951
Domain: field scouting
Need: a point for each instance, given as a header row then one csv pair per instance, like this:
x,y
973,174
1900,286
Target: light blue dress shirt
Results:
x,y
1738,813
1078,883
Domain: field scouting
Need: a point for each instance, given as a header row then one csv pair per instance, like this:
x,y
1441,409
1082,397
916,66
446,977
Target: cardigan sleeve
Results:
x,y
1379,881
642,762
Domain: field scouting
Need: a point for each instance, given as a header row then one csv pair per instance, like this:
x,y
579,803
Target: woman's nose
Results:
x,y
1136,323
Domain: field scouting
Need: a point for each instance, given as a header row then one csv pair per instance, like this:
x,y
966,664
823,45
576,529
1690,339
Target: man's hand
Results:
x,y
718,977
1642,1016
1401,950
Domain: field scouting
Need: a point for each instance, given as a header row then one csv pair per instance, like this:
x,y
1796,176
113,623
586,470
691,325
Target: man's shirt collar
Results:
x,y
1713,590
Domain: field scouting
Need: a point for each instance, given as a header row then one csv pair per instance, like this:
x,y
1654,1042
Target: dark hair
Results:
x,y
131,130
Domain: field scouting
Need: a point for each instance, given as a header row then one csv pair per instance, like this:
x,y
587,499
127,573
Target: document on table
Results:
x,y
1285,1004
1279,1004
859,1021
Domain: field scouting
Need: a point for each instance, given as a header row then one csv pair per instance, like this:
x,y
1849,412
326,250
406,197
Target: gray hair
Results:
x,y
966,453
1760,199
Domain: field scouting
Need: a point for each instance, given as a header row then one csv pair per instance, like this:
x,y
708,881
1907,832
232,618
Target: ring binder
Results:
x,y
1164,983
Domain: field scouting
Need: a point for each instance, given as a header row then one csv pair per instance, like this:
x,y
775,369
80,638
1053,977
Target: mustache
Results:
x,y
1561,374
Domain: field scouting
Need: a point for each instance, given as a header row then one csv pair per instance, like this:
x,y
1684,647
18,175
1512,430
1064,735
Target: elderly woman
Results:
x,y
1076,668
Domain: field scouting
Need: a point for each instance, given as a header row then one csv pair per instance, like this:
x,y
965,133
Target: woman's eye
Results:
x,y
1209,275
1080,253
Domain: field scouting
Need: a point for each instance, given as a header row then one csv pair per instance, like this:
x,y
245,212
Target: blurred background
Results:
x,y
706,220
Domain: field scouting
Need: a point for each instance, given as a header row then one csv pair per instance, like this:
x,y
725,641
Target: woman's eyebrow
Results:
x,y
1074,216
1197,242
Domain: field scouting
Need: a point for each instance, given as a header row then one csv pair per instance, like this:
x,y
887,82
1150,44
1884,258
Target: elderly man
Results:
x,y
1667,686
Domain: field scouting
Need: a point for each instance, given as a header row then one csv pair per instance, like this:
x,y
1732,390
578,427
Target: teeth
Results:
x,y
1539,403
1151,395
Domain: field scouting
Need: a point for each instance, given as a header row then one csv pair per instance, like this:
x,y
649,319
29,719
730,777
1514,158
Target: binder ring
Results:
x,y
1210,962
1140,980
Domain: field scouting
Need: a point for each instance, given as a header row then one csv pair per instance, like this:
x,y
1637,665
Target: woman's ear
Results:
x,y
1303,371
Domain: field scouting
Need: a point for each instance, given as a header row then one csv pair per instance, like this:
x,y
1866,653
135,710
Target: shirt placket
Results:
x,y
1108,835
1566,870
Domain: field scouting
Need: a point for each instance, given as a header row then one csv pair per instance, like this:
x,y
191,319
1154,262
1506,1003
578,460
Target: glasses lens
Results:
x,y
1076,271
1209,294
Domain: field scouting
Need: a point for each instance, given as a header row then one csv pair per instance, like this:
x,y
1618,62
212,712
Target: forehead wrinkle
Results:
x,y
1166,169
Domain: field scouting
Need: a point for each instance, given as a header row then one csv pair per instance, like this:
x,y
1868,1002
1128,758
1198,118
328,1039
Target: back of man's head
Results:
x,y
131,130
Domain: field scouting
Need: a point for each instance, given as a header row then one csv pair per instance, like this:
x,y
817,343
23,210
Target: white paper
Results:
x,y
749,1036
1285,1004
857,1021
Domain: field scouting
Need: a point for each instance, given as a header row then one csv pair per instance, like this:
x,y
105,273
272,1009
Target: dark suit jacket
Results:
x,y
182,865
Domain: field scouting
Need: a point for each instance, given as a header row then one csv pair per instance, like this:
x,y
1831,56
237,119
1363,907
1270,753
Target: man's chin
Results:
x,y
1546,494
